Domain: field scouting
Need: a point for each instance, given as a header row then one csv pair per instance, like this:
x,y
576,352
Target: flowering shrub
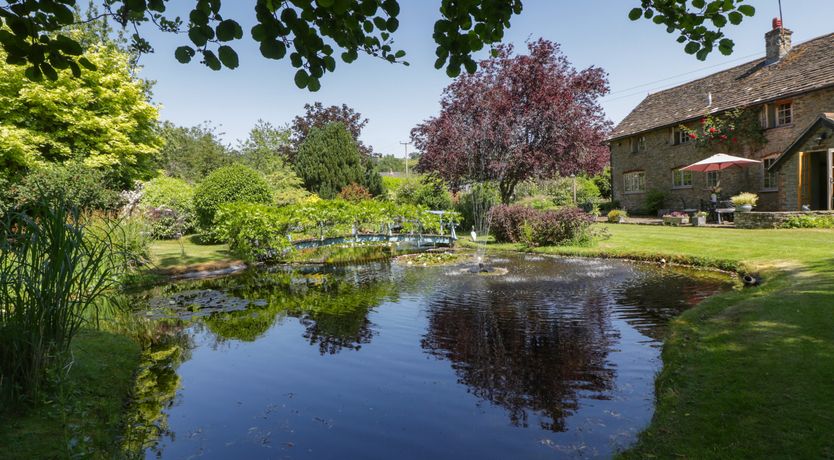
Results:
x,y
730,130
520,224
676,214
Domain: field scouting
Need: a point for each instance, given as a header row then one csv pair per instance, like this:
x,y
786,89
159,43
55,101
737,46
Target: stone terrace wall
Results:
x,y
770,219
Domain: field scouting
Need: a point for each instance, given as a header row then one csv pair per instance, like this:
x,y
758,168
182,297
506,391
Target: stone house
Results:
x,y
791,93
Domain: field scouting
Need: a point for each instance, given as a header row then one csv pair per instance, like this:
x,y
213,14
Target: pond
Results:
x,y
556,358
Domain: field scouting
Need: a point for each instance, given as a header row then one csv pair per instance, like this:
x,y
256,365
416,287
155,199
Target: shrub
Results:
x,y
654,202
809,221
285,184
475,204
433,194
428,191
354,192
229,184
73,184
540,202
6,195
564,226
560,190
168,204
745,198
603,182
254,231
507,221
514,224
391,185
615,214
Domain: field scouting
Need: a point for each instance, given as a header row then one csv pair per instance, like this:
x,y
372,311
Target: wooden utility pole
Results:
x,y
405,145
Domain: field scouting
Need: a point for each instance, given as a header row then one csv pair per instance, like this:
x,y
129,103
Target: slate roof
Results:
x,y
808,66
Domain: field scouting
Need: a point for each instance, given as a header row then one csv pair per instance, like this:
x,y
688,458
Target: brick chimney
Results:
x,y
778,42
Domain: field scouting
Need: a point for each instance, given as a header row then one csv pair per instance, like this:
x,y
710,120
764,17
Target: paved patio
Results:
x,y
648,220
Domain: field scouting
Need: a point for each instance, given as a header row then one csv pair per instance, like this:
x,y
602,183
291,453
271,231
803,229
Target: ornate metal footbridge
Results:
x,y
419,241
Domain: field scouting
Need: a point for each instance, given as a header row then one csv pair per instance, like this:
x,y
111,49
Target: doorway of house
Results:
x,y
818,194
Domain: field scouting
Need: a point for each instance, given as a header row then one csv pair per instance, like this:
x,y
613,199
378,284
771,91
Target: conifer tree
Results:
x,y
329,159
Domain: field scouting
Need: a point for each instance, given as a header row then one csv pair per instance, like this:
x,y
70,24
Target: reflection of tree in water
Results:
x,y
155,388
521,350
332,306
649,303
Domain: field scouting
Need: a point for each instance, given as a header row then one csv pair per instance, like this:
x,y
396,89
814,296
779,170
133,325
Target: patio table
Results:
x,y
728,211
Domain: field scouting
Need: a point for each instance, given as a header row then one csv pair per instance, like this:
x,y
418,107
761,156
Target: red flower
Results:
x,y
723,136
692,135
712,130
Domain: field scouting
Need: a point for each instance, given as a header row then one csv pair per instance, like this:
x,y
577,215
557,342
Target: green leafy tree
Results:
x,y
699,23
265,151
390,164
314,34
265,147
103,119
191,153
229,184
318,116
329,159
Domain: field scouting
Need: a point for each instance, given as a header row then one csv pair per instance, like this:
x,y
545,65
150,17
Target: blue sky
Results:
x,y
640,57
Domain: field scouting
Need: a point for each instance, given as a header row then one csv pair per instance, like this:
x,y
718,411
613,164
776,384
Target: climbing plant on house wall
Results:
x,y
730,131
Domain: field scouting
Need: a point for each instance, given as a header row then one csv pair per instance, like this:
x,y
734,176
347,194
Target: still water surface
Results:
x,y
555,359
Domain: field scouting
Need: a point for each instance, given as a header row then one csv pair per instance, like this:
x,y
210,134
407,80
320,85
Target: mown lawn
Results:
x,y
176,256
747,374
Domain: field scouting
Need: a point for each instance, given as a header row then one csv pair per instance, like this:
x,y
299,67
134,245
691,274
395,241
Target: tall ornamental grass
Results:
x,y
51,273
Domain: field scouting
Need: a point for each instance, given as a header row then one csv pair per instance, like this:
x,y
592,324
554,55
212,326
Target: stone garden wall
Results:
x,y
769,219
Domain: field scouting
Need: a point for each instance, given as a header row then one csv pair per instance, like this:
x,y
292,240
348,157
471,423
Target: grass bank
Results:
x,y
83,417
747,374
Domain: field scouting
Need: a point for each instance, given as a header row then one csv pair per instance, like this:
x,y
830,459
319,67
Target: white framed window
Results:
x,y
679,136
784,114
634,182
776,115
769,179
713,179
681,178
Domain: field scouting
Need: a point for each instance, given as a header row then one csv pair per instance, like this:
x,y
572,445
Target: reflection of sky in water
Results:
x,y
557,358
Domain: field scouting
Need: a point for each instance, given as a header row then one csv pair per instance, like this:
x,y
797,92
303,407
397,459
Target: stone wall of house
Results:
x,y
770,219
660,158
789,170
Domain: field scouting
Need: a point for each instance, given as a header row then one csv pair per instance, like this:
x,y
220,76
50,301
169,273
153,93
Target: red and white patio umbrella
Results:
x,y
720,161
